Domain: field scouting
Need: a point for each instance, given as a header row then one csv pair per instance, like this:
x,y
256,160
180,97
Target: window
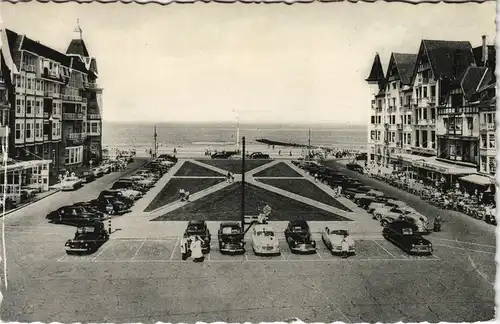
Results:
x,y
18,106
484,141
73,155
492,141
38,105
373,119
394,102
372,135
45,148
28,106
469,122
18,131
393,137
425,113
409,138
378,135
394,85
37,129
490,118
54,108
28,130
28,83
433,91
425,92
433,113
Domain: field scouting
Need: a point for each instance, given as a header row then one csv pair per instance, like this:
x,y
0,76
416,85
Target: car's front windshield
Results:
x,y
265,233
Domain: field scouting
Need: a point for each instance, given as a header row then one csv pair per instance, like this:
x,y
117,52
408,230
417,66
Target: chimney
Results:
x,y
484,57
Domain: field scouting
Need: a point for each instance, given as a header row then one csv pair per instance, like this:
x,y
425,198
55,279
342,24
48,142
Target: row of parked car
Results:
x,y
264,241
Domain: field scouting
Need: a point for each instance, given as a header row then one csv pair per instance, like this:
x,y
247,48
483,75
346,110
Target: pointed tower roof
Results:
x,y
77,45
377,72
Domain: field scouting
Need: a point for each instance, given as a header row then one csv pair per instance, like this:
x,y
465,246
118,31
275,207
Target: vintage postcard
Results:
x,y
232,162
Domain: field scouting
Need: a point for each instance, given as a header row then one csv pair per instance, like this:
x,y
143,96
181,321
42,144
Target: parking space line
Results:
x,y
464,249
102,250
471,243
175,248
383,248
319,254
61,259
140,246
246,256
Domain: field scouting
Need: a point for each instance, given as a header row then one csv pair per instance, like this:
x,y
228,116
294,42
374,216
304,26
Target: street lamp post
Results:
x,y
243,183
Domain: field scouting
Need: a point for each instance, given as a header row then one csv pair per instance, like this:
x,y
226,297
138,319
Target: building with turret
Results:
x,y
54,108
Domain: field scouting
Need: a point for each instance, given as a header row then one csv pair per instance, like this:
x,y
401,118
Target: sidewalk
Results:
x,y
38,197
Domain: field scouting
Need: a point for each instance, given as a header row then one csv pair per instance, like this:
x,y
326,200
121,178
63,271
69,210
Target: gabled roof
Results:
x,y
471,80
405,64
44,51
93,66
448,59
77,47
377,72
78,65
488,79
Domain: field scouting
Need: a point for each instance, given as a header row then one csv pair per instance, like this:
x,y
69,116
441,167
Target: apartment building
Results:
x,y
377,145
451,92
48,93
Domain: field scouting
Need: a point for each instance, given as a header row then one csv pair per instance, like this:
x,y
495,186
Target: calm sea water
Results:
x,y
124,135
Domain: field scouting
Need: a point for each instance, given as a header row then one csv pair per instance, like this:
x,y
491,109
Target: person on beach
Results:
x,y
345,247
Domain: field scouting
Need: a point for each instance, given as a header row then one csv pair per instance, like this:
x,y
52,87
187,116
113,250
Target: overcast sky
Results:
x,y
299,63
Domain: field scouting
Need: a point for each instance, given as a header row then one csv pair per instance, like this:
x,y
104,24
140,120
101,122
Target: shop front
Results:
x,y
24,175
440,173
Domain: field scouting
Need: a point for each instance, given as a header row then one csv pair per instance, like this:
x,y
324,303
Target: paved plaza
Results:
x,y
138,276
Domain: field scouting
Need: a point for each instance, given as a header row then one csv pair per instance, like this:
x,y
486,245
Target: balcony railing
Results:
x,y
92,85
431,100
45,137
84,100
425,80
72,116
94,116
29,68
487,127
399,126
66,97
77,136
46,115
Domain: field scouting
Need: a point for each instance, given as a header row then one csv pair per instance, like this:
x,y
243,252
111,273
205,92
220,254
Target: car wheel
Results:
x,y
384,223
378,217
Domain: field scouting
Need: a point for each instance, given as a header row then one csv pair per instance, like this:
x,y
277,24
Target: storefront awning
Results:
x,y
478,179
410,158
432,164
24,165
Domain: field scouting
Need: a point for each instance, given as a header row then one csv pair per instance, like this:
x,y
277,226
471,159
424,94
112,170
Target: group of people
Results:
x,y
229,177
191,247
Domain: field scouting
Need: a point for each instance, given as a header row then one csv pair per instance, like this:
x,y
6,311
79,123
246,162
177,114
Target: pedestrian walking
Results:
x,y
279,152
196,251
232,177
228,177
186,195
315,177
345,247
183,194
290,153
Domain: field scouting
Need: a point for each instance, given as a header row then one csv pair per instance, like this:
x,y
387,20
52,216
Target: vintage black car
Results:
x,y
355,167
231,238
199,228
168,157
87,206
405,235
87,176
118,195
128,184
72,215
259,156
351,192
88,239
110,205
298,237
222,155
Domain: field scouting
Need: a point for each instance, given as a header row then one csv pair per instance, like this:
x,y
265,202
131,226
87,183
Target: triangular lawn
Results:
x,y
192,169
170,192
225,204
305,188
234,166
280,169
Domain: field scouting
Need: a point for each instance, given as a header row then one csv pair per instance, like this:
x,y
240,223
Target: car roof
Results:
x,y
196,222
403,224
263,227
230,224
299,222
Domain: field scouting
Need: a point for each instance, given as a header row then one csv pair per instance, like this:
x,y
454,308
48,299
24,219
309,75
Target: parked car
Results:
x,y
118,195
142,180
97,171
385,203
168,157
387,216
351,192
106,168
72,215
231,238
405,235
130,193
71,183
264,240
259,155
371,193
87,239
148,174
355,167
87,176
298,237
333,240
89,208
128,184
199,228
110,205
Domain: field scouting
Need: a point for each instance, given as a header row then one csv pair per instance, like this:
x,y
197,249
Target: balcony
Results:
x,y
5,104
399,126
84,100
71,98
425,80
48,94
45,138
28,68
431,100
76,137
424,150
423,67
93,116
487,127
92,85
72,116
46,115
